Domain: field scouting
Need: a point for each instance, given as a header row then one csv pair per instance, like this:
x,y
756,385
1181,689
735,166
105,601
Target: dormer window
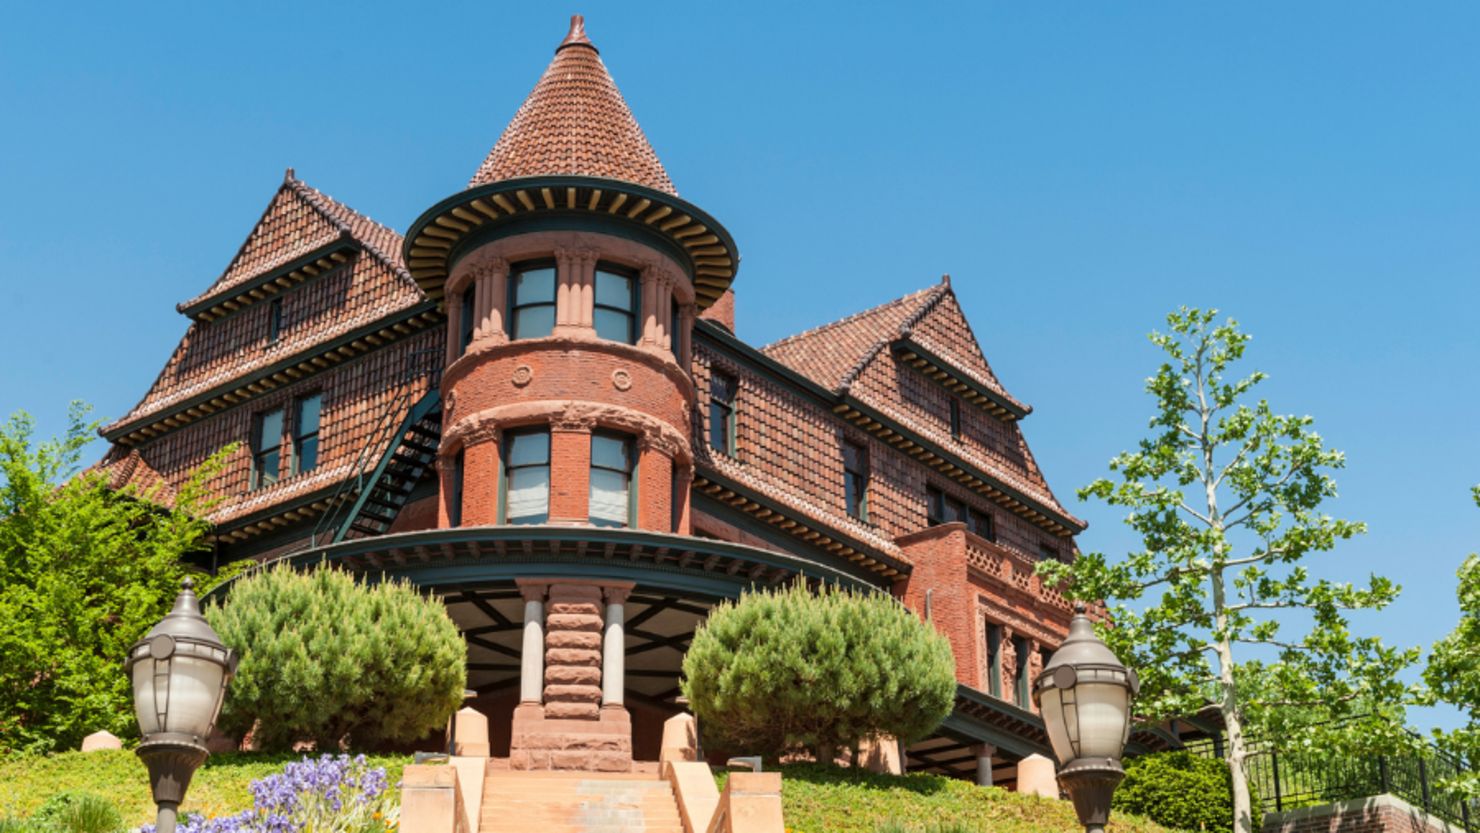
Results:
x,y
616,299
955,419
532,301
855,480
274,320
306,433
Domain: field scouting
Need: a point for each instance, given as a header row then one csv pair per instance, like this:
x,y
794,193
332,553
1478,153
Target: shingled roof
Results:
x,y
575,122
131,474
299,219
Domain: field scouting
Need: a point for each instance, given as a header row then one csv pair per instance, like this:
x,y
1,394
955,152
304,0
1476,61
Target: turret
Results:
x,y
571,273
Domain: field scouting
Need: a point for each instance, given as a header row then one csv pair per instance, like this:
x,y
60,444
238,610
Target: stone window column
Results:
x,y
650,281
686,315
614,648
532,653
586,299
454,325
984,753
492,278
567,262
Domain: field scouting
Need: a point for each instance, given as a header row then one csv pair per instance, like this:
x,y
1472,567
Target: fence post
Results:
x,y
1464,812
1423,781
1382,768
1274,761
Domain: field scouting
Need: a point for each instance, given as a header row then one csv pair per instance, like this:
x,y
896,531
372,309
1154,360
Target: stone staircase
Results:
x,y
577,802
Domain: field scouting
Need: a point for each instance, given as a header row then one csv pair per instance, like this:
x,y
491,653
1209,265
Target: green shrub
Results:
x,y
78,812
1179,789
16,825
794,669
330,660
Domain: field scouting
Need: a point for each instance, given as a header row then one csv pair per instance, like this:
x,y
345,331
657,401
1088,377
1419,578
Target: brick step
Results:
x,y
615,812
596,788
570,775
522,827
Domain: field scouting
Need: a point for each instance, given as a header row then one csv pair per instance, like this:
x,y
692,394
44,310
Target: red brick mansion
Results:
x,y
535,405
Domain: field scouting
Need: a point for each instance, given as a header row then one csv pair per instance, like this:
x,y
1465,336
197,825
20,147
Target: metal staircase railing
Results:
x,y
401,450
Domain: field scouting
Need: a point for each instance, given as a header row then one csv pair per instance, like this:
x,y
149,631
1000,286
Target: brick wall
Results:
x,y
1378,814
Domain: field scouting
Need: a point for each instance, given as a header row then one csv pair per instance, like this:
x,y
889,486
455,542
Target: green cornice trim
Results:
x,y
344,243
720,338
1017,411
462,567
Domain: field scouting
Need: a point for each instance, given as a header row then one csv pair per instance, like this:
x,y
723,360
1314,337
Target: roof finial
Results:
x,y
289,176
946,280
577,35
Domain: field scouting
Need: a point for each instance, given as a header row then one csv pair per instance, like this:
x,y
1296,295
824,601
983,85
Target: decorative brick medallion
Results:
x,y
621,379
523,375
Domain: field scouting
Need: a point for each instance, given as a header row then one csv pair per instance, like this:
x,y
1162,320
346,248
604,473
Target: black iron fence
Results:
x,y
1291,780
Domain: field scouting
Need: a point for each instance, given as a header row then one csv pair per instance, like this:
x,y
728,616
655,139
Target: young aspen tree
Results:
x,y
1226,496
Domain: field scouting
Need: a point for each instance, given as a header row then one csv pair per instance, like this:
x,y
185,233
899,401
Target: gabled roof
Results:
x,y
371,287
131,473
834,354
299,220
575,122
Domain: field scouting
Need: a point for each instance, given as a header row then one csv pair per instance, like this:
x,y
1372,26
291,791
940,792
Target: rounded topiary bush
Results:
x,y
1179,789
331,660
793,669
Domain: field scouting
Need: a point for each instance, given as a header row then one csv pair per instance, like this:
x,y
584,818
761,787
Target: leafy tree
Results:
x,y
334,661
1226,497
793,669
1453,676
84,572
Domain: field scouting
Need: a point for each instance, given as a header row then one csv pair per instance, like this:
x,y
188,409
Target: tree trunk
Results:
x,y
1243,817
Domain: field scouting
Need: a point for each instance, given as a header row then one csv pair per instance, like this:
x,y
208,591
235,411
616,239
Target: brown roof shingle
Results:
x,y
576,122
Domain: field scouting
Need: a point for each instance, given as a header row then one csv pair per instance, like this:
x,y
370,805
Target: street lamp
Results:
x,y
179,670
1084,694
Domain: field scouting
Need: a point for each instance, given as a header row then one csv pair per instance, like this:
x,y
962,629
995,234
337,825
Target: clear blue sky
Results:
x,y
1079,169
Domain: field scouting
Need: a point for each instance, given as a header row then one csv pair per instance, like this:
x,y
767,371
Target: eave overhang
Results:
x,y
307,362
317,262
470,555
898,435
815,533
951,377
456,226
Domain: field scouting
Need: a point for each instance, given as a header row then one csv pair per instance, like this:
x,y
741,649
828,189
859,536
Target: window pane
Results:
x,y
955,511
268,468
469,315
270,431
529,495
534,322
855,458
534,287
608,498
529,449
611,453
308,414
719,429
308,453
721,387
613,291
981,524
612,325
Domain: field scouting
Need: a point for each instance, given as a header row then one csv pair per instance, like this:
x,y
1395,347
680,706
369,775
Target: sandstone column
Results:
x,y
573,652
532,655
454,326
614,650
686,315
984,753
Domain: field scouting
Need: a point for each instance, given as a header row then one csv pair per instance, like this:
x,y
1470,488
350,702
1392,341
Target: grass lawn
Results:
x,y
831,799
218,788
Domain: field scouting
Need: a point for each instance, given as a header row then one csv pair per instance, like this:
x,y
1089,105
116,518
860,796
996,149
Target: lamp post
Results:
x,y
179,670
1084,694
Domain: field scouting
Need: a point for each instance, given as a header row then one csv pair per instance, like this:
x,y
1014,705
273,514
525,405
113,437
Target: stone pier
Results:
x,y
579,723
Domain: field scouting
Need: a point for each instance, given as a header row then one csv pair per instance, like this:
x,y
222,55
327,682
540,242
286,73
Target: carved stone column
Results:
x,y
650,275
586,299
614,651
572,652
454,326
566,262
492,276
686,315
532,654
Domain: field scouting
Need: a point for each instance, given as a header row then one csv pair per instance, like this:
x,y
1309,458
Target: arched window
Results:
x,y
616,301
532,300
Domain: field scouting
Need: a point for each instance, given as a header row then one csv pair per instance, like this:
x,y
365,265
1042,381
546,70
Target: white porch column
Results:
x,y
532,653
984,753
614,647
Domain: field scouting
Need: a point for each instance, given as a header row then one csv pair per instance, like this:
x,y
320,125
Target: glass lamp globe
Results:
x,y
180,671
1084,694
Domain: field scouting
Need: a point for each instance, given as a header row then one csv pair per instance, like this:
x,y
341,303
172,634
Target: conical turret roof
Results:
x,y
575,122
